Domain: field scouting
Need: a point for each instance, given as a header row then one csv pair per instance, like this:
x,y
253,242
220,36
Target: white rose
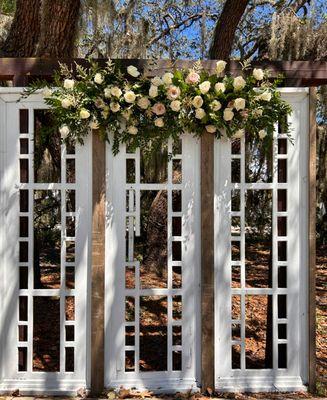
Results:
x,y
239,104
192,78
220,66
153,91
130,96
258,112
133,71
114,107
173,92
239,83
258,74
262,134
211,128
200,113
156,81
46,92
215,105
220,87
266,96
84,113
159,122
175,105
132,130
107,92
69,83
116,92
64,131
167,78
204,87
143,103
158,109
228,114
239,134
66,103
94,124
98,78
197,101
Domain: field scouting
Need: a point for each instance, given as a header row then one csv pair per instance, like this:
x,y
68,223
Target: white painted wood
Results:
x,y
295,376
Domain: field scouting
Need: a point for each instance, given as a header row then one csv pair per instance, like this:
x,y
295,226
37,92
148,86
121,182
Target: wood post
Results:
x,y
312,237
98,264
207,260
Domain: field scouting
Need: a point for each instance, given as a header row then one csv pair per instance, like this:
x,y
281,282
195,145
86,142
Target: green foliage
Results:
x,y
127,107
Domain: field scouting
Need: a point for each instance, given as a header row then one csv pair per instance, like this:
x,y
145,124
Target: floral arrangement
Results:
x,y
143,112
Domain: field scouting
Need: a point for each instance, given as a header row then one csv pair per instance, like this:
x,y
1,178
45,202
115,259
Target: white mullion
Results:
x,y
137,222
169,265
274,249
242,236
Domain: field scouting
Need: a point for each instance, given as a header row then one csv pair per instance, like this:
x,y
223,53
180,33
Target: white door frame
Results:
x,y
115,375
29,382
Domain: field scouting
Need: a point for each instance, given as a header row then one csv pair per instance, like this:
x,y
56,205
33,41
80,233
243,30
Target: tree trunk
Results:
x,y
224,33
58,28
24,31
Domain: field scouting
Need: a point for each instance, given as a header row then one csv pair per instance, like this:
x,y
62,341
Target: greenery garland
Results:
x,y
143,112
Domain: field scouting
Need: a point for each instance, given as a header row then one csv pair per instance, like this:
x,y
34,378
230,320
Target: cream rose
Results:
x,y
158,109
239,104
175,105
153,91
84,113
192,78
211,128
262,134
265,96
228,114
173,92
258,74
130,96
143,103
239,83
159,122
64,131
215,105
133,71
66,103
98,78
200,113
220,87
116,92
132,130
69,83
167,78
127,114
239,134
107,92
46,92
220,66
156,81
205,87
197,101
258,112
114,107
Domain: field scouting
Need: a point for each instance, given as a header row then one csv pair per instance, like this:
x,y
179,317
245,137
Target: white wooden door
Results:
x,y
152,269
261,258
45,237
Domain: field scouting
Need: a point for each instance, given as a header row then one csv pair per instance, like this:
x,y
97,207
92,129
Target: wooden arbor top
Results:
x,y
296,73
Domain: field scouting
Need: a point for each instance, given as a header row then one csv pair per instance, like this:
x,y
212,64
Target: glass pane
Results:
x,y
70,333
236,356
23,121
258,331
236,306
47,149
70,171
236,146
130,170
154,166
23,146
70,308
258,238
153,333
70,201
22,358
236,200
23,170
23,278
46,333
69,360
47,239
129,335
23,200
236,171
129,360
177,360
150,248
177,171
258,161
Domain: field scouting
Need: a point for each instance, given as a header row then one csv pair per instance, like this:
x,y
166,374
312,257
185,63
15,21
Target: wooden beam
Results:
x,y
299,73
207,261
312,238
98,265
